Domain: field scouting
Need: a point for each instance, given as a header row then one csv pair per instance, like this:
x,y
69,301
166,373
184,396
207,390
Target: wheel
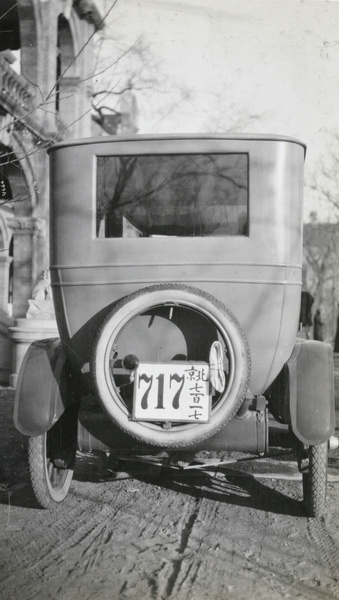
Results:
x,y
167,323
51,458
315,481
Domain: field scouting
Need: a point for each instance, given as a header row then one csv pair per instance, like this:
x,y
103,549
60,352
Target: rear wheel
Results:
x,y
51,458
315,481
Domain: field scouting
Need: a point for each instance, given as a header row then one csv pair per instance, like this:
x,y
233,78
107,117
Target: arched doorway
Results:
x,y
17,207
5,271
6,241
66,75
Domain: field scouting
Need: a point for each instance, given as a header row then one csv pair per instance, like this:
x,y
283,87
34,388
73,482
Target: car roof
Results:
x,y
109,139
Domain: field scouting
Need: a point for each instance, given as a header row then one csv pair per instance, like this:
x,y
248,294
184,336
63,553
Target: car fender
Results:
x,y
42,391
311,391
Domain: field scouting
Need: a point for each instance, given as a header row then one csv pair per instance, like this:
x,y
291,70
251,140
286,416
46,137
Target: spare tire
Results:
x,y
164,323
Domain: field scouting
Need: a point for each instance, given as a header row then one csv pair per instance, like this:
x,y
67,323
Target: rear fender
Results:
x,y
306,390
43,389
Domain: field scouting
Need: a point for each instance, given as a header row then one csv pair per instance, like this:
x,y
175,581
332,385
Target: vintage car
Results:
x,y
176,269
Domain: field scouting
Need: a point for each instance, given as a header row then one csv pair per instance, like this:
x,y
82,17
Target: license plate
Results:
x,y
174,391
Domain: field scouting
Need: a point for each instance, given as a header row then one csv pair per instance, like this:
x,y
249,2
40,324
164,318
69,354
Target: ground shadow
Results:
x,y
224,484
237,489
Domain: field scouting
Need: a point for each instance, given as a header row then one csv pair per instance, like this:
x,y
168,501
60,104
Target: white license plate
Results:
x,y
174,391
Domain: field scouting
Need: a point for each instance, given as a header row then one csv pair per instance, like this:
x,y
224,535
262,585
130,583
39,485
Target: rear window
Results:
x,y
190,195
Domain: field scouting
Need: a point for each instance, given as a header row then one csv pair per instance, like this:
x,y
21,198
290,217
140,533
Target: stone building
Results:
x,y
46,71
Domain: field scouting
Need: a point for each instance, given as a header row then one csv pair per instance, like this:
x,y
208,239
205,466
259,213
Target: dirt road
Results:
x,y
149,534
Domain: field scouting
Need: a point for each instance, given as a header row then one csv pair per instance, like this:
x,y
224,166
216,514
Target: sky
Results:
x,y
248,66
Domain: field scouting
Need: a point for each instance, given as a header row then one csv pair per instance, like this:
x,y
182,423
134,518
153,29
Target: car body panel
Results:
x,y
41,394
264,265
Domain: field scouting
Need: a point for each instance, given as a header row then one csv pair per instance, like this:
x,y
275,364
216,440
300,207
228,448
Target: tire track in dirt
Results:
x,y
88,534
85,520
326,547
186,563
185,536
185,539
256,546
161,549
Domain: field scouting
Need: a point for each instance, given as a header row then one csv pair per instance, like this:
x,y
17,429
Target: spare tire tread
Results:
x,y
173,438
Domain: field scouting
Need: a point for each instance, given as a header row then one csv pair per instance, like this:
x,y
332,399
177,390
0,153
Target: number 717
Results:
x,y
149,379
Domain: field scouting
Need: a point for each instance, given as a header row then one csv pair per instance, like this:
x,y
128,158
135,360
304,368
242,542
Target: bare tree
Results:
x,y
118,75
324,183
129,76
321,237
118,80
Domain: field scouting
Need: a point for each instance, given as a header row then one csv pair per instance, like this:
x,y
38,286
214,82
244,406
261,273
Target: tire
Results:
x,y
204,307
315,481
51,458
